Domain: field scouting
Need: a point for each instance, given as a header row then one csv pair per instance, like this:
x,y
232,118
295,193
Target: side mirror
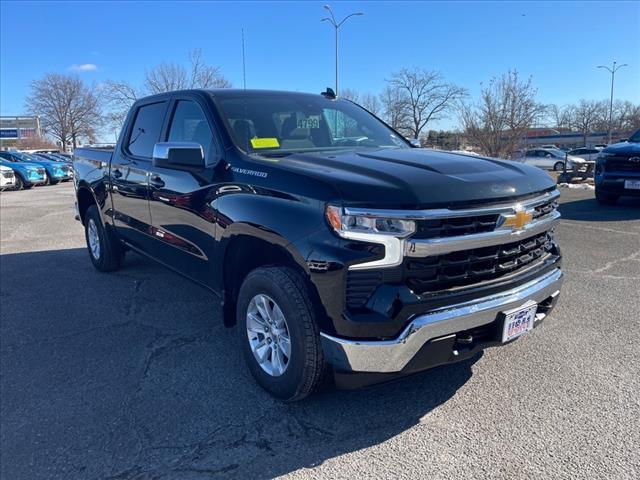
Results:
x,y
178,155
415,143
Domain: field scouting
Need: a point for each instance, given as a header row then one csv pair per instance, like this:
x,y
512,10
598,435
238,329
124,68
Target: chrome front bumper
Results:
x,y
387,356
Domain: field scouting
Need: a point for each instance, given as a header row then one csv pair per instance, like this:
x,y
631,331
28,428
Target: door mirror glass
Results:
x,y
178,155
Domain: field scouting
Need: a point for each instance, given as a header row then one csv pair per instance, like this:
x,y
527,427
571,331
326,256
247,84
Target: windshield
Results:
x,y
284,123
556,152
635,137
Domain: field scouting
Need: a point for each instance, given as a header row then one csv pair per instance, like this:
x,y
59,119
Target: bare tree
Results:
x,y
559,117
588,116
350,94
500,120
68,109
366,100
119,96
393,107
371,103
626,116
165,77
426,97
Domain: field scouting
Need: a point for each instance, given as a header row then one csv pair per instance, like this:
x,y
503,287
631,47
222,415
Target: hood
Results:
x,y
623,149
44,163
575,159
20,166
419,178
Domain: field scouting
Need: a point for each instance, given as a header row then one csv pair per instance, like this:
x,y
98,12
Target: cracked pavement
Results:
x,y
132,375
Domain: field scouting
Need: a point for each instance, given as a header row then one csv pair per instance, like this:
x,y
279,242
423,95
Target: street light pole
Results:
x,y
613,71
336,26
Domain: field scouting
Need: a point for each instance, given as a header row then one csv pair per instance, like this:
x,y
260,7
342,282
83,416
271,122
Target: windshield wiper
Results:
x,y
273,154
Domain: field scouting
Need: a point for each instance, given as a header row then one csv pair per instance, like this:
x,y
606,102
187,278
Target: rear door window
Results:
x,y
146,129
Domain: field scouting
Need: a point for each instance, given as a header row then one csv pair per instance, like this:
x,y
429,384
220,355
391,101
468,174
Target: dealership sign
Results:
x,y
15,133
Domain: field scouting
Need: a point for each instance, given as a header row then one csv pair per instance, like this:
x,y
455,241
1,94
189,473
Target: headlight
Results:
x,y
388,232
344,224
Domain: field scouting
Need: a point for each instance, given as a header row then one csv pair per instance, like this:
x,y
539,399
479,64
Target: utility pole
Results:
x,y
613,71
336,26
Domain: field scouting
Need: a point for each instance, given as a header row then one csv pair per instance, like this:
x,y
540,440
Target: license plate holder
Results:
x,y
518,321
632,184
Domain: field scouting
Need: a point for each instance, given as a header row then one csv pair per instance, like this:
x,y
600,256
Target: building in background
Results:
x,y
15,128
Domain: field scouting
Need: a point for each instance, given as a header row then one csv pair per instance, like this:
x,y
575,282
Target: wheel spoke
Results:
x,y
285,345
262,351
278,316
262,304
268,335
255,323
277,361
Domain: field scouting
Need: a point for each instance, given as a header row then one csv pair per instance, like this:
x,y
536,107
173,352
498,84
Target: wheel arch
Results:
x,y
86,198
248,250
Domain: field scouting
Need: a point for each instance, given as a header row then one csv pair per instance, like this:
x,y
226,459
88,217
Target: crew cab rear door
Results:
x,y
129,172
183,220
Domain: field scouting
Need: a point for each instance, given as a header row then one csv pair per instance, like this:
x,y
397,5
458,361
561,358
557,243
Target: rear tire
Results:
x,y
19,183
606,198
105,251
286,298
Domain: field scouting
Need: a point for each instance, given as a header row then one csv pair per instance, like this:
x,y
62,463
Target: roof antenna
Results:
x,y
329,93
244,71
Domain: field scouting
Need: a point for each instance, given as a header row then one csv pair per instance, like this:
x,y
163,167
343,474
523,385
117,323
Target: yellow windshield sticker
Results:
x,y
265,143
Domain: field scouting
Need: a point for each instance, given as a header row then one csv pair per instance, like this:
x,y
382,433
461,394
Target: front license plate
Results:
x,y
632,184
519,321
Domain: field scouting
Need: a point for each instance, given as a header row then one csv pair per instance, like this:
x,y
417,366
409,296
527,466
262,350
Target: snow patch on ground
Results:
x,y
577,186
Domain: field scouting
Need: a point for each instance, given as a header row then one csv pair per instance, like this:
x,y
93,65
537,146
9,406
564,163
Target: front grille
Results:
x,y
461,269
621,165
468,267
452,227
40,171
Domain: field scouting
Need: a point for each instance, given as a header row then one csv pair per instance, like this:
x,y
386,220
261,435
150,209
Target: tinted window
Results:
x,y
190,125
146,129
276,123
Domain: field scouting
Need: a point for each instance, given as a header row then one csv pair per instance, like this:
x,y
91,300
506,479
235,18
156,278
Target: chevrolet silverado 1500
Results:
x,y
334,245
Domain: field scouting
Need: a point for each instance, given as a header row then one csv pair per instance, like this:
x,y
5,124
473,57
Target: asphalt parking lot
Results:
x,y
131,375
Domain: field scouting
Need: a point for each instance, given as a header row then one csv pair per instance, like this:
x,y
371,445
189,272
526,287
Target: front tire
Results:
x,y
558,167
19,183
279,334
105,251
606,198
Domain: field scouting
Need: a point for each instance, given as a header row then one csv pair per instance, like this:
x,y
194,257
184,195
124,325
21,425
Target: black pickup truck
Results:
x,y
617,171
334,245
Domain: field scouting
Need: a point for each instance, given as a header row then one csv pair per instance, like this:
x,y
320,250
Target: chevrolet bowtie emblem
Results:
x,y
518,220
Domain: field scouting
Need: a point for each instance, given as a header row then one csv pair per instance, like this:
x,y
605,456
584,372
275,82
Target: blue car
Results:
x,y
26,174
55,171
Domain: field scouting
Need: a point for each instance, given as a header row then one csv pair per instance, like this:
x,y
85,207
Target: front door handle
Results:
x,y
116,173
156,181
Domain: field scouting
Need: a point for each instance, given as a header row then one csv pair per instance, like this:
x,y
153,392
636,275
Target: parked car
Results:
x,y
7,178
54,171
618,171
328,243
549,159
26,174
586,153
